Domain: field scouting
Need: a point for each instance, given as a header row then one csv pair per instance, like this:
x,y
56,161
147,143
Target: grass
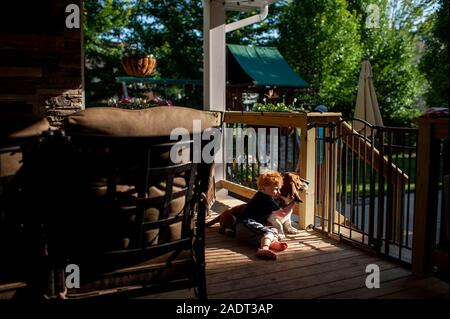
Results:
x,y
407,166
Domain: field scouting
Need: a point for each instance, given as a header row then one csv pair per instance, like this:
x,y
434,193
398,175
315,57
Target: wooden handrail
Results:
x,y
363,148
279,119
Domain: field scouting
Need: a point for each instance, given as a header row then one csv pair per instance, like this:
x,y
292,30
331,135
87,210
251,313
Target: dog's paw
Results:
x,y
281,236
292,230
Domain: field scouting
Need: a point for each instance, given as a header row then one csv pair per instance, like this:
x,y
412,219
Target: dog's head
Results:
x,y
293,186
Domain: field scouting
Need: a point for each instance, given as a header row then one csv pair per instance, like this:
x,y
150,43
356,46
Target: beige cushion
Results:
x,y
13,126
10,163
156,121
113,225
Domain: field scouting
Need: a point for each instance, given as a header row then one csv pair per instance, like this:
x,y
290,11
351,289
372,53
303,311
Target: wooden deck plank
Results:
x,y
314,266
418,289
355,288
281,267
391,280
397,283
342,281
288,283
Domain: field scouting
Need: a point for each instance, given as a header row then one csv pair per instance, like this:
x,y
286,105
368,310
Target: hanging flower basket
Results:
x,y
138,65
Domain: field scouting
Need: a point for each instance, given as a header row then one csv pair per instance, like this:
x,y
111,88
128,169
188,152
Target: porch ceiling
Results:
x,y
246,5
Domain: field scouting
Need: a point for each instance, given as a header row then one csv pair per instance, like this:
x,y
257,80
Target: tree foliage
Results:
x,y
434,63
332,38
325,41
103,23
320,40
173,32
390,44
170,30
263,33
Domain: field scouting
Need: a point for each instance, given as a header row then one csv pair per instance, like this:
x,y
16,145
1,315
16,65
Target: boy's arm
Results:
x,y
284,211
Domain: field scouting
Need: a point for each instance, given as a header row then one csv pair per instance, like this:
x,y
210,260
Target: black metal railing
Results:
x,y
442,221
370,176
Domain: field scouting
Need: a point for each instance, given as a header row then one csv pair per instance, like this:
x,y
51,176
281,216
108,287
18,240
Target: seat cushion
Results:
x,y
13,130
16,127
104,180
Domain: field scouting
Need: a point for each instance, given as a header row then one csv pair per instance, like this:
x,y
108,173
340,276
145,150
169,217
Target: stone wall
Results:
x,y
41,66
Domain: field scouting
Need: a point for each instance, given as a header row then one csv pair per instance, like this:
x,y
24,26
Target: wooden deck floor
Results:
x,y
313,266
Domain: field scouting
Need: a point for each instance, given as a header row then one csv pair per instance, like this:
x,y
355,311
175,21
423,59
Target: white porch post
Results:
x,y
214,68
214,55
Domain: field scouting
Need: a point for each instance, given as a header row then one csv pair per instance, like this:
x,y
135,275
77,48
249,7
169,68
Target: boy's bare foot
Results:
x,y
278,245
266,254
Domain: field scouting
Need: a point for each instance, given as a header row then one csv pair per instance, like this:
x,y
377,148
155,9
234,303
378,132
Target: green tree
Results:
x,y
263,33
434,63
394,48
172,30
398,82
321,41
409,14
390,44
104,24
326,42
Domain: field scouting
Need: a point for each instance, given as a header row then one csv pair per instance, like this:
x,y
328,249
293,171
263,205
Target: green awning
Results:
x,y
261,66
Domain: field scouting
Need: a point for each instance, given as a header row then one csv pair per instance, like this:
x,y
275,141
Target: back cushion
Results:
x,y
156,121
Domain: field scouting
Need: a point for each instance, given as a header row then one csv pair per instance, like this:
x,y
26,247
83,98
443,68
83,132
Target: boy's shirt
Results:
x,y
259,208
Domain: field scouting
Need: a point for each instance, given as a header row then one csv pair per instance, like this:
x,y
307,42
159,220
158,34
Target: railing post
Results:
x,y
307,169
331,151
424,232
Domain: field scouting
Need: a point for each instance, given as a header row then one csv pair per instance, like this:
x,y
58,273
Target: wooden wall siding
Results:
x,y
40,60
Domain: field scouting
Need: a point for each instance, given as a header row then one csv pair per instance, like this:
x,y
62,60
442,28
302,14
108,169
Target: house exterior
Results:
x,y
254,69
41,59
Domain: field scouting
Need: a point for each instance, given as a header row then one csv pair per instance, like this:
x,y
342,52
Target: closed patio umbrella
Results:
x,y
366,101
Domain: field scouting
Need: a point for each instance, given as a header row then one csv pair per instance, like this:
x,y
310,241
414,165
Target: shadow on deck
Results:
x,y
313,266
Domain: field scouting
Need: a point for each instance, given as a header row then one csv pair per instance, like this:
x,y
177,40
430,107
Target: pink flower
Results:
x,y
126,100
139,103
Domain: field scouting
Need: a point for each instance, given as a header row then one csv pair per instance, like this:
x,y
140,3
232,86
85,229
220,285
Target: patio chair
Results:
x,y
14,132
121,217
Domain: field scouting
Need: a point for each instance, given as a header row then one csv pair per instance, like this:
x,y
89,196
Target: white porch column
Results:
x,y
214,68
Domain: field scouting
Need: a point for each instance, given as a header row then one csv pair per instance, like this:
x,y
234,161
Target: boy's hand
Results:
x,y
280,213
284,211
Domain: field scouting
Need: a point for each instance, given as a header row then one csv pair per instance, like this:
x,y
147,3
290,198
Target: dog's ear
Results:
x,y
295,175
304,180
297,181
295,193
301,183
